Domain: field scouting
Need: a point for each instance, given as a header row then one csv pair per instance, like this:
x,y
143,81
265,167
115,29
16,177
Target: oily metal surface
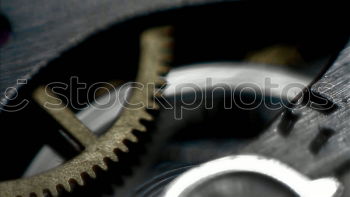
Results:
x,y
155,52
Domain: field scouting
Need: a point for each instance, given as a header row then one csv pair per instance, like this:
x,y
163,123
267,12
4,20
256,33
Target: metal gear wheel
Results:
x,y
155,54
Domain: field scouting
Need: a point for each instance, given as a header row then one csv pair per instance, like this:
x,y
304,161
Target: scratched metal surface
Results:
x,y
316,142
42,30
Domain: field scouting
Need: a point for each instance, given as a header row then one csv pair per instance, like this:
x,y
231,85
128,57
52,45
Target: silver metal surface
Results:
x,y
235,74
295,181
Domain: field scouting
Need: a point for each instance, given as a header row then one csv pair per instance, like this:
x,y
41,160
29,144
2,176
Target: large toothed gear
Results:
x,y
155,54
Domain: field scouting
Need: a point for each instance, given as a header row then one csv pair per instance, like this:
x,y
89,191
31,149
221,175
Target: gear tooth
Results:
x,y
160,42
53,191
132,137
103,165
123,148
85,177
73,183
39,194
79,180
113,157
152,105
91,173
67,186
36,194
146,116
140,127
33,194
46,193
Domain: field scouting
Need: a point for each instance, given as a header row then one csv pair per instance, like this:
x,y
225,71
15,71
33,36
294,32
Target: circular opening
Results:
x,y
239,185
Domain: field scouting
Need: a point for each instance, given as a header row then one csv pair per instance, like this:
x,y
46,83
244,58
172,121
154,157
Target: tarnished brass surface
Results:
x,y
155,53
277,55
64,116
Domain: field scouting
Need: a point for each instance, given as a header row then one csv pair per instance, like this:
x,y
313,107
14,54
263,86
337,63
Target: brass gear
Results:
x,y
155,54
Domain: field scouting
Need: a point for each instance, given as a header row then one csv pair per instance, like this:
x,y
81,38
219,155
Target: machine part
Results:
x,y
231,74
58,26
198,150
95,119
155,186
36,50
73,23
155,55
312,135
276,55
184,185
